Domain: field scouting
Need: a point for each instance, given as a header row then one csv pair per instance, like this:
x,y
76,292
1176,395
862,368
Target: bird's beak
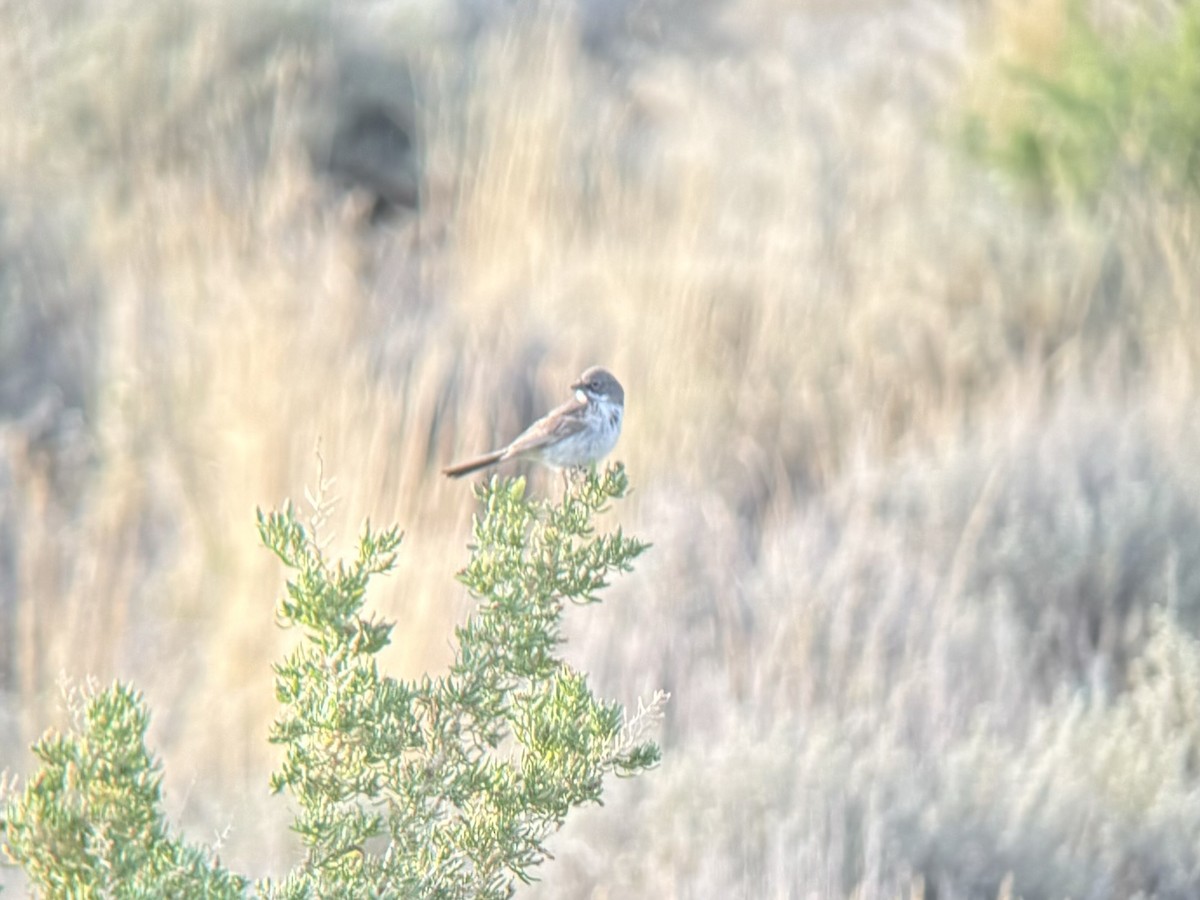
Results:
x,y
577,386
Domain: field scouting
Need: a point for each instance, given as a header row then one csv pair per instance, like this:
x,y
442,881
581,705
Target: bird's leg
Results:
x,y
572,476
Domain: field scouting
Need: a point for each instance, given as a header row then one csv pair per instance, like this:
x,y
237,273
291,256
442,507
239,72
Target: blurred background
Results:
x,y
905,299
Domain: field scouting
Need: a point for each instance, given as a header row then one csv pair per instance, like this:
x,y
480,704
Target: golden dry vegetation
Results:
x,y
916,455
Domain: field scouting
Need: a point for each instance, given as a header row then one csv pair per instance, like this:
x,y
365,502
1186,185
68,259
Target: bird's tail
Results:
x,y
458,470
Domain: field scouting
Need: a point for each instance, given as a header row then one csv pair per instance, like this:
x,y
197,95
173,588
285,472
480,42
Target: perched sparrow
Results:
x,y
578,433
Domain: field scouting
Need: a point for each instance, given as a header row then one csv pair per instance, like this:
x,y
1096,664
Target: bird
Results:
x,y
576,434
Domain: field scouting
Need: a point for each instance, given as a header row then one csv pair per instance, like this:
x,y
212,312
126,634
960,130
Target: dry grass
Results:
x,y
917,461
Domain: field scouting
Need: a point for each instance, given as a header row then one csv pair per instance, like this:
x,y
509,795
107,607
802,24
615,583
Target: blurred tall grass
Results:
x,y
916,453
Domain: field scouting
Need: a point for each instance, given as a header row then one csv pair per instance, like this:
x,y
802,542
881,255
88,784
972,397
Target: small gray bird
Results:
x,y
582,431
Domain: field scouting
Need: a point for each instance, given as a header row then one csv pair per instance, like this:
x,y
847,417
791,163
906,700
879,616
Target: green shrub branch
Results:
x,y
442,787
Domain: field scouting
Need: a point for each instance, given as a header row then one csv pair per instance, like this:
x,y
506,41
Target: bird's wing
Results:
x,y
561,422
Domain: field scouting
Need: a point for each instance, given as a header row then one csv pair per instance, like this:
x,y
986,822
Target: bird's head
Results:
x,y
598,384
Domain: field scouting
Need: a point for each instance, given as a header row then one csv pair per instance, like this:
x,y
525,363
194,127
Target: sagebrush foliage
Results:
x,y
441,787
465,775
89,823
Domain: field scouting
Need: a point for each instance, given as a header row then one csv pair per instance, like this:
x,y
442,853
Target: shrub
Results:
x,y
89,822
438,787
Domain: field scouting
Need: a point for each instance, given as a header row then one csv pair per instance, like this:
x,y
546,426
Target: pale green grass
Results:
x,y
917,460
